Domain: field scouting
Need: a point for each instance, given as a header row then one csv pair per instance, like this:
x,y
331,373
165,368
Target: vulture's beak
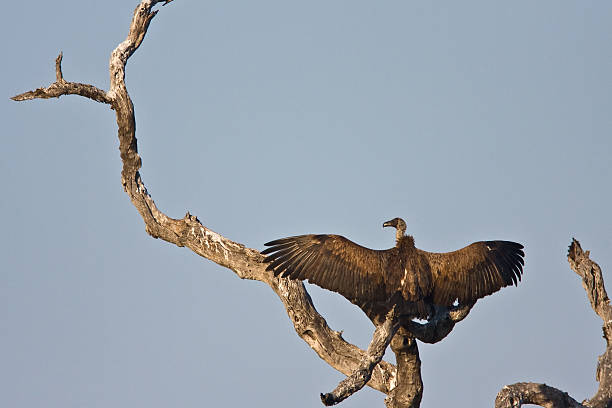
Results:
x,y
389,224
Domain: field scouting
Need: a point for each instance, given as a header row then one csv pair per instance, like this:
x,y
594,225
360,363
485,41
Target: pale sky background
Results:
x,y
471,120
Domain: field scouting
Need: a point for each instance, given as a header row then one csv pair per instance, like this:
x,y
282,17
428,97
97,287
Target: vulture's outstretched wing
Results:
x,y
332,262
475,271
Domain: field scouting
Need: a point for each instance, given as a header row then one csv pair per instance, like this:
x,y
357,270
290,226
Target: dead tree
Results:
x,y
515,395
402,382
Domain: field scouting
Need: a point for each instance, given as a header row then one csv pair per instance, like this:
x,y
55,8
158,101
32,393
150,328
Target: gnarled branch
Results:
x,y
188,231
515,395
61,87
376,350
593,283
362,367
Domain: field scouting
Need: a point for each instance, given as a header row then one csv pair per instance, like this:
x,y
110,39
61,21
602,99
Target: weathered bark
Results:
x,y
409,389
515,395
403,385
376,350
189,232
593,283
61,87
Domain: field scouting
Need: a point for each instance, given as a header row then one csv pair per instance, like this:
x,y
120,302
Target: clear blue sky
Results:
x,y
471,120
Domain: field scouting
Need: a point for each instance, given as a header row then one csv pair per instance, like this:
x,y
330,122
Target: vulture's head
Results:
x,y
398,224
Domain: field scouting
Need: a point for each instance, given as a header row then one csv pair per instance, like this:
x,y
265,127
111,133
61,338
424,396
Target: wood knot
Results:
x,y
401,343
607,331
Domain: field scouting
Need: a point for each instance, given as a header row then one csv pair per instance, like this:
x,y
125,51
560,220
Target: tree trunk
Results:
x,y
409,389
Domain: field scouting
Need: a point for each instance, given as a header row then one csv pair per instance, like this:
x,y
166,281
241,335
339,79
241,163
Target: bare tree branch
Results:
x,y
328,344
376,350
190,233
516,395
409,389
61,87
403,384
593,283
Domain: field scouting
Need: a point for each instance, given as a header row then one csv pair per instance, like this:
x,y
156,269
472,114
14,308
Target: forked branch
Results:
x,y
188,231
362,367
61,87
376,350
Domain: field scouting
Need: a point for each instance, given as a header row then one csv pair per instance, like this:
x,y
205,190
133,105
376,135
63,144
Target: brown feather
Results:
x,y
332,262
372,279
475,271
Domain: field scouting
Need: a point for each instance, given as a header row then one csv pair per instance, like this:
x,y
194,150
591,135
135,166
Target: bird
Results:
x,y
405,277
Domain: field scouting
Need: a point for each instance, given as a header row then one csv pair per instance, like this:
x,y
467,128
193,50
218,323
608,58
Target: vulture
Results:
x,y
410,278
